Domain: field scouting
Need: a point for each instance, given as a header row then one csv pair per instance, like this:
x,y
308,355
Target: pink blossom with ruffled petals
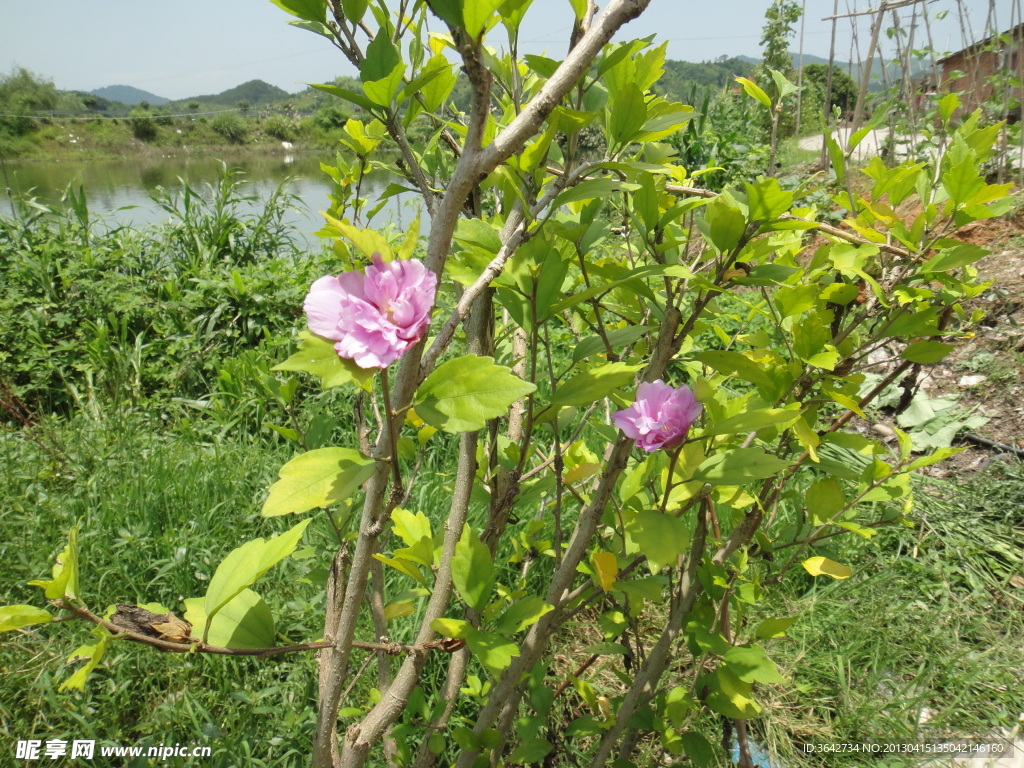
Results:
x,y
375,316
660,417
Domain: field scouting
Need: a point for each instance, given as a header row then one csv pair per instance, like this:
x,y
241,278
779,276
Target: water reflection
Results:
x,y
119,190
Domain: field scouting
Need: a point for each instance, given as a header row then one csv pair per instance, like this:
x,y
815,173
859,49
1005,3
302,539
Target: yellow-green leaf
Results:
x,y
607,569
819,566
317,478
18,616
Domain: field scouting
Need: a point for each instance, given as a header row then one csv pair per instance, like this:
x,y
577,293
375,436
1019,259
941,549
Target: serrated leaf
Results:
x,y
464,393
318,478
18,616
245,564
244,622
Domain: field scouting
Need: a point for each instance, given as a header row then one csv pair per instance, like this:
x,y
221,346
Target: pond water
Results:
x,y
118,191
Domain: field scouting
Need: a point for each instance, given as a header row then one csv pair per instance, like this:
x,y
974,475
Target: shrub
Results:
x,y
231,127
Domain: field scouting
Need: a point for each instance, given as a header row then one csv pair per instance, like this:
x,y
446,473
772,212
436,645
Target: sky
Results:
x,y
190,47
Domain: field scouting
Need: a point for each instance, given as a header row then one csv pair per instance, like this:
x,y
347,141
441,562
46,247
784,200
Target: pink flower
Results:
x,y
660,417
376,316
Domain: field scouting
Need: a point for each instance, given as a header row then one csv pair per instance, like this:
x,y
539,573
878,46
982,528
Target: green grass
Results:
x,y
930,619
158,512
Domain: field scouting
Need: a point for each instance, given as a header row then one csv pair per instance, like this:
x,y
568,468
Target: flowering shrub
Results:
x,y
569,281
660,417
376,316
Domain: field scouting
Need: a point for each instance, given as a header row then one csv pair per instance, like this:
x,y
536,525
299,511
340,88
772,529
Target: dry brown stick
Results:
x,y
394,649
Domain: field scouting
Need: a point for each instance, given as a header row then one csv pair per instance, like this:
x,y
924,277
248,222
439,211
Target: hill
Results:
x,y
255,92
876,84
128,94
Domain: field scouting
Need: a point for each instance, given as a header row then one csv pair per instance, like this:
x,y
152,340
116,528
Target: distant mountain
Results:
x,y
126,94
255,92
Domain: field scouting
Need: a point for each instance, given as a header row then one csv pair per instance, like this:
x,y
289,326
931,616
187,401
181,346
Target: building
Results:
x,y
973,72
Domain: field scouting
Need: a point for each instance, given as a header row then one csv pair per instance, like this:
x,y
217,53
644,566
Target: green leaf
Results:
x,y
382,70
92,652
730,696
318,357
246,564
309,10
590,386
750,665
317,478
65,572
346,95
456,629
626,115
493,650
449,11
617,338
751,421
593,188
530,750
244,622
354,9
723,224
464,393
473,570
962,181
824,498
18,616
521,614
767,200
955,257
739,465
414,530
477,13
927,352
770,628
752,89
659,536
408,567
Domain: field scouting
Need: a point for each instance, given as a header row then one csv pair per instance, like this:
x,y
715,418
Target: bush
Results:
x,y
143,125
280,127
231,127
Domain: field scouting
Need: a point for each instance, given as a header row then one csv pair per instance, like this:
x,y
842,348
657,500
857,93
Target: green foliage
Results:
x,y
568,277
143,124
231,127
122,316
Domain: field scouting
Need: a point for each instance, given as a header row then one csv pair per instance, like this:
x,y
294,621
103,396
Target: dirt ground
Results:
x,y
987,370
